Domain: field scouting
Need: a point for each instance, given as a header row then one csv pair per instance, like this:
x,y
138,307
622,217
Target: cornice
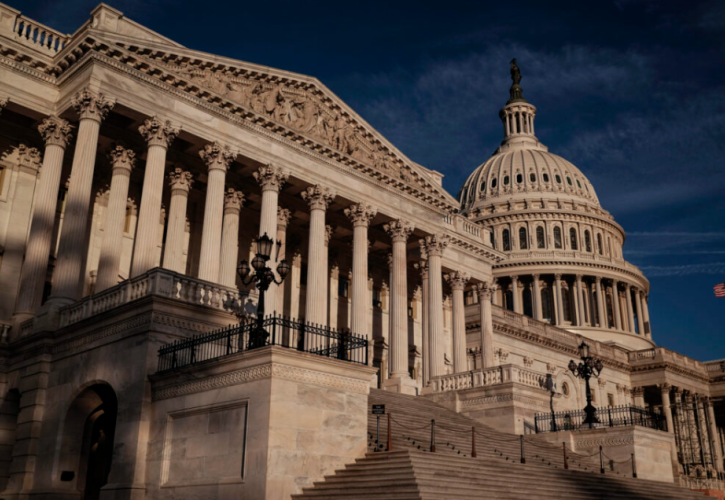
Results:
x,y
672,368
537,264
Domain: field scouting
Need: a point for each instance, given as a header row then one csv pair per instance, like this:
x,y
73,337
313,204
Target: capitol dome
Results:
x,y
564,263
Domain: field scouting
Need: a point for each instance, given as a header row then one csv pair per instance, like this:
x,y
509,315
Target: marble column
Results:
x,y
515,294
159,135
180,182
601,310
645,312
283,218
56,133
714,438
638,396
217,159
233,201
18,220
434,246
630,311
485,292
495,298
666,406
399,380
422,266
559,302
123,161
638,305
360,215
538,312
615,302
457,281
326,290
93,109
580,300
271,179
318,198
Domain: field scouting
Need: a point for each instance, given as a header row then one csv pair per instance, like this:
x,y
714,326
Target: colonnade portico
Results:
x,y
577,300
208,226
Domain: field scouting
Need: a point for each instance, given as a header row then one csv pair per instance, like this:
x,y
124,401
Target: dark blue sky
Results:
x,y
630,91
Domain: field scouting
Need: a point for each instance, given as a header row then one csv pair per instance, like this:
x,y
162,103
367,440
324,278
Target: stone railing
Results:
x,y
31,33
463,226
664,355
158,282
715,367
489,377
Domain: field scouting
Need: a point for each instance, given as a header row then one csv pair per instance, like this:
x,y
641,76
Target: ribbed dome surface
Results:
x,y
525,173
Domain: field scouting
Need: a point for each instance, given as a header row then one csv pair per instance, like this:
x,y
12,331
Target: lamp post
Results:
x,y
550,386
263,277
588,367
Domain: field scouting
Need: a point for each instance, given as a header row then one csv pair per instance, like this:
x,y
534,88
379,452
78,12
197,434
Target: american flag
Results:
x,y
719,290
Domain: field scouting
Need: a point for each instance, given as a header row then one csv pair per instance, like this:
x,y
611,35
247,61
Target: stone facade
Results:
x,y
136,173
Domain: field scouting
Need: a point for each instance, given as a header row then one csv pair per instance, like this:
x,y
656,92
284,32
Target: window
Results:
x,y
599,243
519,178
343,288
573,239
493,183
506,180
557,237
566,303
565,389
506,240
528,304
587,241
546,304
532,177
540,241
568,180
523,243
558,178
578,183
483,186
546,177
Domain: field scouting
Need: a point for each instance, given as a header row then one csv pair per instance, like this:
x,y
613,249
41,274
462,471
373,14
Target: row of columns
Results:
x,y
622,320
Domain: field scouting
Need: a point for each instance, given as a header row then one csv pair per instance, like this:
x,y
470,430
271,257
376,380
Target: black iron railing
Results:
x,y
613,416
283,331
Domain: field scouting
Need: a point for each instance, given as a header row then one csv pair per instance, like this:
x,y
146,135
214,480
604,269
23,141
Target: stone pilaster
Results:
x,y
360,215
485,294
538,312
123,161
159,135
217,159
56,133
318,198
233,201
457,281
399,232
180,183
93,109
434,247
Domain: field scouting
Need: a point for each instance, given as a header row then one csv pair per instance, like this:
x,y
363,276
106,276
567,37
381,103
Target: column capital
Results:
x,y
457,280
536,277
422,266
514,278
435,244
329,231
283,216
628,286
179,179
598,279
233,200
602,382
271,177
558,276
399,230
92,106
579,278
122,159
158,132
638,391
485,290
29,159
55,131
217,156
361,214
318,197
664,387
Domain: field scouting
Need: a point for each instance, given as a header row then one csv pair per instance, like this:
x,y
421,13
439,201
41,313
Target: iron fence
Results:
x,y
612,416
281,331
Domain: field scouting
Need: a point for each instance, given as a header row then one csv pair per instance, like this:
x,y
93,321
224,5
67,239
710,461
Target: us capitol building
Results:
x,y
135,360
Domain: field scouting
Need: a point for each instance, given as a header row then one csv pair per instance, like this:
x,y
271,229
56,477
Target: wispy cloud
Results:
x,y
684,270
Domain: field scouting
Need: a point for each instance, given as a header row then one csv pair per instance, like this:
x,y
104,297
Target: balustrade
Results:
x,y
488,377
36,35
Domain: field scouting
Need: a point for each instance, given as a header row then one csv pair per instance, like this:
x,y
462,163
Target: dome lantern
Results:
x,y
518,116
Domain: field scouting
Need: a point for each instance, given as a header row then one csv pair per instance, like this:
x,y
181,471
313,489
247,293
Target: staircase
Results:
x,y
410,471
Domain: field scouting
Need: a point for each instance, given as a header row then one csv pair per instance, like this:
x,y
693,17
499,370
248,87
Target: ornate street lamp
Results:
x,y
588,367
263,277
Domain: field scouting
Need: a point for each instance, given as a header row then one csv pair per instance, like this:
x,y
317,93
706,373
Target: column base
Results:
x,y
401,384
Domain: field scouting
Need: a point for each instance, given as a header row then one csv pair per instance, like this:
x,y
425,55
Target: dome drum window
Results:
x,y
568,180
546,177
573,239
506,180
557,237
532,177
523,239
519,178
506,237
540,240
493,183
558,178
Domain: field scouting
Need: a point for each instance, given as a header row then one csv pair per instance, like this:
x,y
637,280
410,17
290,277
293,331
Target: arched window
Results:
x,y
557,237
506,180
566,303
532,177
528,308
546,177
483,186
540,240
506,240
588,241
519,178
568,180
573,240
493,183
599,244
523,240
578,183
558,178
546,304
